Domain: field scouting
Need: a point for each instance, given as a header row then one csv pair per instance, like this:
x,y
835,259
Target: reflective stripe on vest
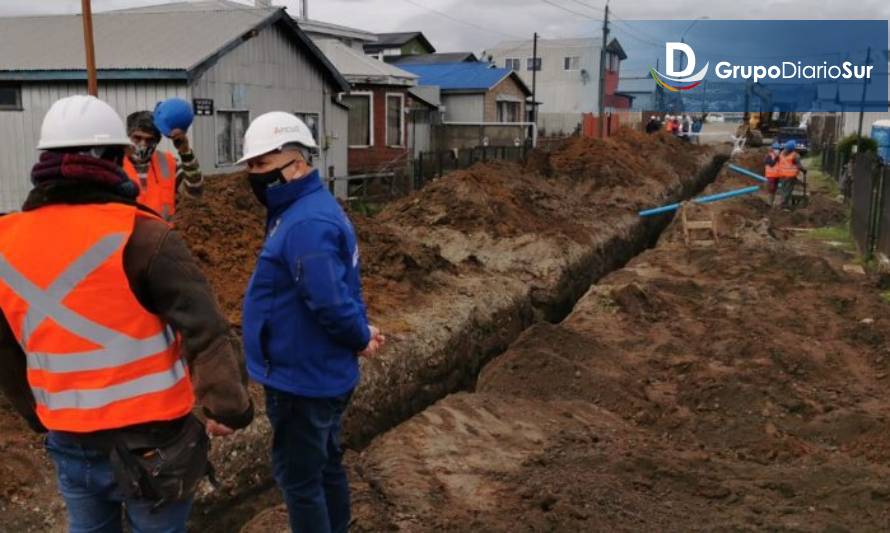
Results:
x,y
159,191
86,376
786,166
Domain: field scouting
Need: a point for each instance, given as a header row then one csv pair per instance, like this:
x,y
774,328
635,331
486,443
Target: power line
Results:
x,y
588,6
572,11
459,21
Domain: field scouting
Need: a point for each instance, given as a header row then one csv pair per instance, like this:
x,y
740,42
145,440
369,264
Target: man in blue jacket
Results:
x,y
304,321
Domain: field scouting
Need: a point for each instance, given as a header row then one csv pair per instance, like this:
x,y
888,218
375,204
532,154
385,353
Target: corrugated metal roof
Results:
x,y
430,94
335,30
179,40
462,76
448,57
395,40
360,68
161,39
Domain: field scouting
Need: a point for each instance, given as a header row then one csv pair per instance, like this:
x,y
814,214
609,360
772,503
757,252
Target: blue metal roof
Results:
x,y
463,76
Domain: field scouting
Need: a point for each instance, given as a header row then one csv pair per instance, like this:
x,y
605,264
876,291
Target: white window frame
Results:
x,y
530,63
513,63
318,133
221,164
401,97
570,58
370,96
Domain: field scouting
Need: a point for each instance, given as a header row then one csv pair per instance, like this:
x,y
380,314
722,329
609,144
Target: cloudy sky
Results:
x,y
474,25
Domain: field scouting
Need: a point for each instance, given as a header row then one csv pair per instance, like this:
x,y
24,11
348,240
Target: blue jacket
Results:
x,y
304,317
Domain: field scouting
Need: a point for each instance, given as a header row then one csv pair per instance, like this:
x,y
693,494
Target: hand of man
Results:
x,y
180,141
376,343
215,429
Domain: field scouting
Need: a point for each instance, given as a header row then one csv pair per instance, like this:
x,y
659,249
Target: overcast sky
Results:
x,y
474,25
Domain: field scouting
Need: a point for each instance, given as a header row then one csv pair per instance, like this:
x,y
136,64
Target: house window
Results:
x,y
395,116
361,118
571,63
508,111
10,97
312,121
534,63
230,127
513,63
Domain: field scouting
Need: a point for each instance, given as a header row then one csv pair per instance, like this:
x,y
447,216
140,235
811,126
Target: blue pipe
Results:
x,y
702,200
748,173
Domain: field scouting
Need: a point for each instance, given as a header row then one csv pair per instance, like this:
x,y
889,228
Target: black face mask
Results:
x,y
261,181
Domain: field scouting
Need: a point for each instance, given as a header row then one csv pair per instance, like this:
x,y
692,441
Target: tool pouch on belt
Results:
x,y
161,466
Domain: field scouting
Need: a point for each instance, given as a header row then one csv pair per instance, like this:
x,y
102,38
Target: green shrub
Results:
x,y
845,146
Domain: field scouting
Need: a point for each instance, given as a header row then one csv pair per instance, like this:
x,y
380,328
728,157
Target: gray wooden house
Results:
x,y
233,61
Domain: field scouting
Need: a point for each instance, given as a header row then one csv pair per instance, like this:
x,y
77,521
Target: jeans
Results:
x,y
307,460
87,484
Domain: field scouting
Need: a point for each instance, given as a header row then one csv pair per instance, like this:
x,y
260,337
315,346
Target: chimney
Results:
x,y
304,8
262,4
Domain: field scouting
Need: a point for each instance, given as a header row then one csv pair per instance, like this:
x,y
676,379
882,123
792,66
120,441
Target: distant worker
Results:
x,y
697,123
771,171
652,126
103,308
305,322
668,123
157,173
789,167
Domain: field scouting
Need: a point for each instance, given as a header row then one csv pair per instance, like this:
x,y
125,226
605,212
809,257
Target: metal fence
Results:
x,y
870,222
428,166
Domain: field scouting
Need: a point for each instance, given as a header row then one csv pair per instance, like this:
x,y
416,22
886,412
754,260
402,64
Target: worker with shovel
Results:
x,y
789,166
110,334
304,321
157,173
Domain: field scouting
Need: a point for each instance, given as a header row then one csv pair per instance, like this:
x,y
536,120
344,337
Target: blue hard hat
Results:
x,y
172,114
791,145
776,146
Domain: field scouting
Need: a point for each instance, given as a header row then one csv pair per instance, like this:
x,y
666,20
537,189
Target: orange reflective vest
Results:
x,y
787,165
158,190
772,171
96,359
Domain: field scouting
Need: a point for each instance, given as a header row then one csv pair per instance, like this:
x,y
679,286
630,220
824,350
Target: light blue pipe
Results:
x,y
748,173
702,200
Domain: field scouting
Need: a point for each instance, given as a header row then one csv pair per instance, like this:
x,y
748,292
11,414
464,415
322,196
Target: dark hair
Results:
x,y
143,121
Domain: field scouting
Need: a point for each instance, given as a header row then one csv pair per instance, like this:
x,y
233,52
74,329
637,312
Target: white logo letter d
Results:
x,y
683,48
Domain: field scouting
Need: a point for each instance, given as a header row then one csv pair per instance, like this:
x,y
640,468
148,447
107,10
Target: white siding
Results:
x,y
559,90
274,75
851,122
464,107
20,130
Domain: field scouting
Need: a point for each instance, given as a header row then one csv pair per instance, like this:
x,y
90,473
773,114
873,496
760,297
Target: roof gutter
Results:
x,y
104,74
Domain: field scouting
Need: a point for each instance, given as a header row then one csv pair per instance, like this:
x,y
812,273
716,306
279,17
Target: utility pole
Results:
x,y
535,79
862,102
87,12
602,98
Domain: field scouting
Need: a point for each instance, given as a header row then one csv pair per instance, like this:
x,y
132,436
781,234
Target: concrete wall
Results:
x,y
558,124
449,136
559,90
464,107
269,73
20,130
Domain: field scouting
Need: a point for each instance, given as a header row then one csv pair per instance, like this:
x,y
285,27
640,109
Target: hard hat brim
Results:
x,y
49,145
269,149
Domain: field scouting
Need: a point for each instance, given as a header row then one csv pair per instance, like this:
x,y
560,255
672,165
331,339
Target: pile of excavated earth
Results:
x,y
736,386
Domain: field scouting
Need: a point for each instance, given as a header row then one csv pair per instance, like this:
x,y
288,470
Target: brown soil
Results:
x,y
452,272
734,388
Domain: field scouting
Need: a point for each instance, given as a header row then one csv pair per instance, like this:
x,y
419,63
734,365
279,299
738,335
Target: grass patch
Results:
x,y
834,234
818,180
886,296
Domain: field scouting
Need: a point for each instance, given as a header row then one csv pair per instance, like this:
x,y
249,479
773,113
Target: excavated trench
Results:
x,y
395,389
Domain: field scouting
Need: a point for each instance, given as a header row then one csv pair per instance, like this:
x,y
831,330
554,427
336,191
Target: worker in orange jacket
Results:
x,y
109,333
789,166
157,173
771,171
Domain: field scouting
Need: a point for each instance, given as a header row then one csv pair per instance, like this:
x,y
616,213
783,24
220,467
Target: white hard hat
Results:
x,y
270,131
81,120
